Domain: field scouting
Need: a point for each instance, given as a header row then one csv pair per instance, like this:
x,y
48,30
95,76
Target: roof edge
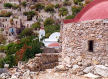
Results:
x,y
84,10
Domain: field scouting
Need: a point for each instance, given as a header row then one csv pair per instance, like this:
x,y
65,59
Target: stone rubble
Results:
x,y
83,66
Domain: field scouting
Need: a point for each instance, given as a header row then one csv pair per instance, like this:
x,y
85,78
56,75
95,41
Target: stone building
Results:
x,y
87,33
17,1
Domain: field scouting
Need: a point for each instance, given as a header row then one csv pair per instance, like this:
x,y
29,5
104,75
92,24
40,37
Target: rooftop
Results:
x,y
97,9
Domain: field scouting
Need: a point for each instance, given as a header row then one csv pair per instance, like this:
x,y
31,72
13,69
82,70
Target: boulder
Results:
x,y
5,76
6,65
26,75
101,70
75,67
13,77
90,75
79,58
88,69
60,68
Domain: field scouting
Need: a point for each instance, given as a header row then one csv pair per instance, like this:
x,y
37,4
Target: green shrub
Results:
x,y
29,15
2,29
67,3
63,11
88,1
57,6
51,29
24,3
35,49
80,4
27,32
49,8
76,9
1,63
36,25
15,6
70,17
47,35
39,6
12,48
8,5
77,1
10,59
29,18
2,48
49,21
6,14
2,39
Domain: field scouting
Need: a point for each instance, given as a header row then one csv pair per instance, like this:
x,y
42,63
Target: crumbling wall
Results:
x,y
43,61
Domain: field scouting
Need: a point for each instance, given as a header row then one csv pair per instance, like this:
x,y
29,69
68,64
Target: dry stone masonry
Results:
x,y
43,61
85,42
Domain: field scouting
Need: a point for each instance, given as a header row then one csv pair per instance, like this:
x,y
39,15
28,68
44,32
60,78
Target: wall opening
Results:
x,y
90,45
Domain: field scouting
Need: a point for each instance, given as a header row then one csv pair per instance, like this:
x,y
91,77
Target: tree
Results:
x,y
23,49
27,32
8,5
12,48
51,29
20,53
49,21
49,8
29,48
39,6
35,49
36,25
63,11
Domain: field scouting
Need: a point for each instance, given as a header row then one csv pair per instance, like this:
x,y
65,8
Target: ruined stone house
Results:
x,y
87,32
17,1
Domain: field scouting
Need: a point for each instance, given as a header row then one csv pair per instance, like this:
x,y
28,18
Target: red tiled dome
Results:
x,y
97,9
53,45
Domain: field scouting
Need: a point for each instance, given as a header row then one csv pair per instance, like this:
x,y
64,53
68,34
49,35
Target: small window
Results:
x,y
90,45
16,22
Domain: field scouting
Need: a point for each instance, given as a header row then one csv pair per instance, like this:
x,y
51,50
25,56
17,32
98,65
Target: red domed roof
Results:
x,y
53,45
97,9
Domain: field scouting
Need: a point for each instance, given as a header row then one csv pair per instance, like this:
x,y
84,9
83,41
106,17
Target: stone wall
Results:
x,y
43,61
75,37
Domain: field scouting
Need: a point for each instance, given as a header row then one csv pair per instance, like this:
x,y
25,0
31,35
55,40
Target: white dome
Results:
x,y
54,35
